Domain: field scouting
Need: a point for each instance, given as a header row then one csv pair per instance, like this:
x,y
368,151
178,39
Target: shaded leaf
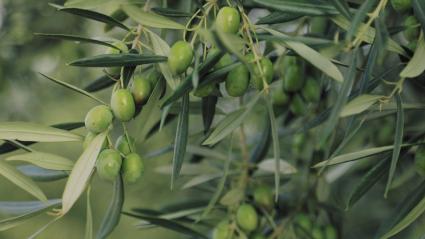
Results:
x,y
419,10
169,12
41,174
278,17
151,19
416,65
359,104
299,7
25,131
122,59
100,83
21,207
208,111
75,38
44,160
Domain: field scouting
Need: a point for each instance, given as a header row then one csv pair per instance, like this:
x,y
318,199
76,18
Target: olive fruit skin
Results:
x,y
222,230
108,164
401,5
181,56
123,146
263,196
122,104
298,106
257,75
89,138
311,90
133,168
224,60
411,32
98,119
204,91
257,236
141,89
317,233
330,232
293,74
420,160
228,20
237,81
304,222
247,217
279,97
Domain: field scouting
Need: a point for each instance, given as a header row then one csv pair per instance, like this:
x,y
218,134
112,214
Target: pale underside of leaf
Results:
x,y
25,131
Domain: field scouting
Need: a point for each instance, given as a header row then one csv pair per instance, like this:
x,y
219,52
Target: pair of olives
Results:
x,y
306,225
109,163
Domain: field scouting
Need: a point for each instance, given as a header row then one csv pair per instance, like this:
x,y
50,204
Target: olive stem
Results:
x,y
127,136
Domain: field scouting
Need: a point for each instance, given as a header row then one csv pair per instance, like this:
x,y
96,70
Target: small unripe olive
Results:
x,y
132,168
401,5
180,58
420,160
258,75
222,230
263,196
304,222
247,217
89,138
311,90
152,77
224,61
123,146
98,119
280,97
411,32
317,233
298,106
141,89
122,104
228,20
108,164
237,81
292,73
204,91
330,232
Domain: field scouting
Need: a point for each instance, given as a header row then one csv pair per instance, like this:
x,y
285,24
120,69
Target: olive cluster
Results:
x,y
294,89
247,218
123,107
306,228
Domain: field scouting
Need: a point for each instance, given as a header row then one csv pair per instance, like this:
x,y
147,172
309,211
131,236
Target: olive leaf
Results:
x,y
269,165
151,19
26,131
299,7
81,173
41,174
419,10
169,12
416,65
359,104
100,83
22,207
278,17
89,217
44,160
76,39
122,59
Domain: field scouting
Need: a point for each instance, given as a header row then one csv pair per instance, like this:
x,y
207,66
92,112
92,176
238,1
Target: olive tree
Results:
x,y
285,115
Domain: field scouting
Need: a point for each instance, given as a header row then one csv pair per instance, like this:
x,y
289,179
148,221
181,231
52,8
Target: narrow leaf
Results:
x,y
25,131
75,38
89,217
100,83
416,65
299,7
122,59
44,160
41,174
419,10
21,207
151,19
359,104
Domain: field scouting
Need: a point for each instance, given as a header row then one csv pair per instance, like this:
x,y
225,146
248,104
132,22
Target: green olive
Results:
x,y
411,31
317,233
141,89
247,217
89,138
153,77
330,232
98,119
237,81
222,230
133,168
263,196
401,5
420,160
108,164
224,61
257,236
266,72
311,90
122,104
122,48
298,106
293,74
304,222
180,58
204,91
280,97
123,146
228,20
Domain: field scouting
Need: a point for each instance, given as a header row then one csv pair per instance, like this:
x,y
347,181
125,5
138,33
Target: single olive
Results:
x,y
141,89
311,90
258,76
122,49
224,61
123,146
279,97
108,164
98,119
263,196
293,74
180,58
304,221
420,160
401,5
122,104
228,20
204,91
317,233
298,106
133,168
89,138
318,25
153,77
330,232
411,31
247,217
237,81
222,230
